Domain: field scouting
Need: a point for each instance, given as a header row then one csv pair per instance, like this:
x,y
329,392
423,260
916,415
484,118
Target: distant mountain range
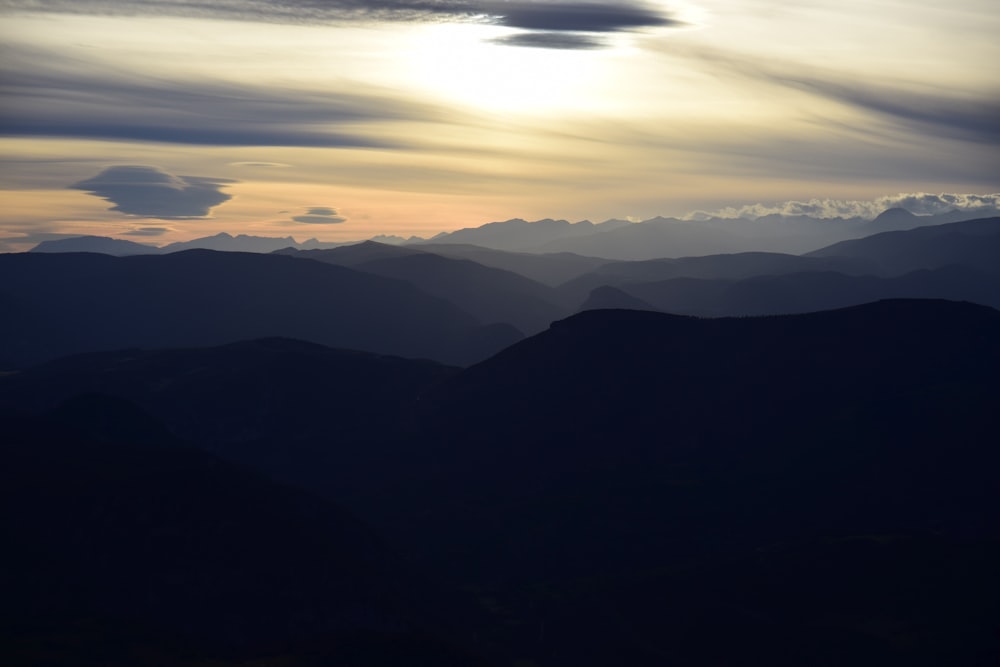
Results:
x,y
490,294
453,303
671,237
223,241
958,260
613,239
64,303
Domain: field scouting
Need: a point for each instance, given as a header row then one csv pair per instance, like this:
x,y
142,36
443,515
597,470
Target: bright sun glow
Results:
x,y
461,62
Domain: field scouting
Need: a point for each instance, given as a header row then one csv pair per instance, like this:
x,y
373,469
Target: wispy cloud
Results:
x,y
50,95
937,110
151,192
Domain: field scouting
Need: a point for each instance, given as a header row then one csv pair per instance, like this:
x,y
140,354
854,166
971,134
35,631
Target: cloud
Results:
x,y
147,231
259,164
558,15
918,203
937,111
320,215
594,16
942,112
550,40
153,193
47,94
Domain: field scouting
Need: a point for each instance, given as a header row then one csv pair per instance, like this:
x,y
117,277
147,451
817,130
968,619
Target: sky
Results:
x,y
165,120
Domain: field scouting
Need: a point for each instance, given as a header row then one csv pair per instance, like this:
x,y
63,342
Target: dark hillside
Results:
x,y
733,462
627,487
294,410
122,552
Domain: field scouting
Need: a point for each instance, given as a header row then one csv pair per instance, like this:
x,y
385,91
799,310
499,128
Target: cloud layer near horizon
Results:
x,y
917,203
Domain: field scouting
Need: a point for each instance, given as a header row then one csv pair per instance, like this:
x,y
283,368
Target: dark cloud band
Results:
x,y
547,16
555,16
50,96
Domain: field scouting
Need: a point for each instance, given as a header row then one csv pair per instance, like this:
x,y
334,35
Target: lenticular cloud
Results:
x,y
153,193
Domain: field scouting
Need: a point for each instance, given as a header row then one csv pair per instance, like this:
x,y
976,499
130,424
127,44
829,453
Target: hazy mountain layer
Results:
x,y
520,235
957,261
69,303
222,242
972,243
807,292
726,267
613,239
549,268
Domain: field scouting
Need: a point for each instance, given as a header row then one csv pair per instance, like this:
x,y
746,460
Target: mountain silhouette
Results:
x,y
493,296
74,303
240,392
953,261
669,237
811,291
99,244
353,254
623,451
725,267
229,243
274,404
222,242
606,297
626,487
971,243
520,235
549,268
131,552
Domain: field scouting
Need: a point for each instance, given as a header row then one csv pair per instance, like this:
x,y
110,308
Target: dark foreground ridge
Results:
x,y
625,488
